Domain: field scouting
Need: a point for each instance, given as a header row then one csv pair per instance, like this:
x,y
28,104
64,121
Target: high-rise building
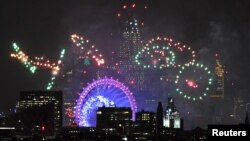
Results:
x,y
114,120
219,78
29,99
172,117
130,42
129,46
217,96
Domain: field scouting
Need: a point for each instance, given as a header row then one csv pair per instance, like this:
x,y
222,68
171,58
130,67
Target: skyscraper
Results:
x,y
131,41
217,96
129,46
29,99
219,78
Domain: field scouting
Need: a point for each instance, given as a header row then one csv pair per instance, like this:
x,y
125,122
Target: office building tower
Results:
x,y
129,46
114,120
145,124
219,78
31,99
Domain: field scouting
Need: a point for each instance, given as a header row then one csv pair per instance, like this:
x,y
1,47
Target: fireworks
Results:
x,y
82,48
193,81
163,52
20,55
127,7
85,50
155,56
39,62
161,57
158,53
55,71
103,92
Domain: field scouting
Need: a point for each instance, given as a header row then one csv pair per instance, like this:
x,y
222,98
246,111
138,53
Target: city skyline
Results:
x,y
44,31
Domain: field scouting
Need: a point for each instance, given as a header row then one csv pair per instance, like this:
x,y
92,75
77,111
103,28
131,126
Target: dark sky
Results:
x,y
44,27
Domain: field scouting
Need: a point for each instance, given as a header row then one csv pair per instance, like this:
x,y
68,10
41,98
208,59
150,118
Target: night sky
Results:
x,y
44,27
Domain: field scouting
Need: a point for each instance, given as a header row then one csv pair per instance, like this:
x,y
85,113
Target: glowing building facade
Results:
x,y
129,46
217,96
171,117
219,78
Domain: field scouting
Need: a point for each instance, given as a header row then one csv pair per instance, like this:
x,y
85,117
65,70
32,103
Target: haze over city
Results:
x,y
214,30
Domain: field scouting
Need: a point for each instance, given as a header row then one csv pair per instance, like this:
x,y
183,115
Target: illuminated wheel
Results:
x,y
103,92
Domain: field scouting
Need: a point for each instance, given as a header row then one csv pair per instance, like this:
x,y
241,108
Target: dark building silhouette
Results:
x,y
31,99
147,118
247,119
197,134
159,119
114,120
36,120
6,133
77,133
238,110
86,134
144,127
